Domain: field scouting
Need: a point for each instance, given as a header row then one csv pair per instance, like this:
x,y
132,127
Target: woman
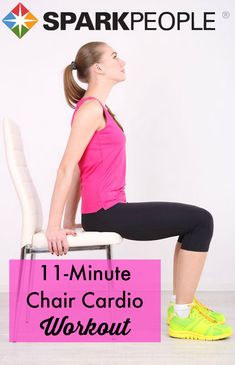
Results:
x,y
96,152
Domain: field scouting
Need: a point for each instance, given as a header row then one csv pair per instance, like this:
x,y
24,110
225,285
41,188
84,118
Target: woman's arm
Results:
x,y
86,121
72,201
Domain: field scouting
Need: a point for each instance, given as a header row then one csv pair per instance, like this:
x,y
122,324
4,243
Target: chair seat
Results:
x,y
83,238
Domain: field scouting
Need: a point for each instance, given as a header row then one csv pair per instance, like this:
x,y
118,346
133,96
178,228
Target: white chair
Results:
x,y
33,238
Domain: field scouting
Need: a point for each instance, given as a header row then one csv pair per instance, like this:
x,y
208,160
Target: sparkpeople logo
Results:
x,y
20,20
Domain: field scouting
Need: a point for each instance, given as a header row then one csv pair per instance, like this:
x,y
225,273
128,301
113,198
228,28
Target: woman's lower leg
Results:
x,y
177,248
189,265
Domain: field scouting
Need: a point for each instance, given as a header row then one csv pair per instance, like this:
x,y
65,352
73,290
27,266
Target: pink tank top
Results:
x,y
103,166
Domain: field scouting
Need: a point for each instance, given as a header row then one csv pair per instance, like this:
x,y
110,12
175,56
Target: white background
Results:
x,y
176,106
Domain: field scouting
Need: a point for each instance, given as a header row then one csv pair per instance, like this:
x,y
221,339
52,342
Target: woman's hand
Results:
x,y
57,240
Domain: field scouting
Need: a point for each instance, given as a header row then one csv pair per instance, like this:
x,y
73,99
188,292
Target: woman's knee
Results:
x,y
206,219
200,237
207,226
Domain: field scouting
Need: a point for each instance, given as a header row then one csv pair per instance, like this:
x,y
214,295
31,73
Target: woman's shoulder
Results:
x,y
89,105
93,103
88,109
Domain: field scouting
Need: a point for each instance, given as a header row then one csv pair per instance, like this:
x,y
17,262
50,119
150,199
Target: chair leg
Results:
x,y
110,284
109,262
109,256
22,258
23,253
30,280
109,252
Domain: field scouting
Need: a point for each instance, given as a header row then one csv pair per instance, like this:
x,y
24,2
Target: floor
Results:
x,y
168,351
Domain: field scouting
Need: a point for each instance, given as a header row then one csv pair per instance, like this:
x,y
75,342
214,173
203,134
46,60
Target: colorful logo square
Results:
x,y
20,20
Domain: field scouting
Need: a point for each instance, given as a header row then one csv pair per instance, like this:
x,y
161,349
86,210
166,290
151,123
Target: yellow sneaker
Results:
x,y
218,317
197,326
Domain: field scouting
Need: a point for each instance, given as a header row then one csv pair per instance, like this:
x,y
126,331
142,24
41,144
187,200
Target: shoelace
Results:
x,y
197,307
201,304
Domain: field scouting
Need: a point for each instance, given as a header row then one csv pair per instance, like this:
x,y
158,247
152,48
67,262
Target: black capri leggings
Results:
x,y
146,221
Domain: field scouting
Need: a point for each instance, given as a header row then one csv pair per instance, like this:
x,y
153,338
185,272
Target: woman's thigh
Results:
x,y
146,220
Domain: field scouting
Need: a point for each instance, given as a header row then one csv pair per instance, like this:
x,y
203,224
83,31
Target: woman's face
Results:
x,y
112,65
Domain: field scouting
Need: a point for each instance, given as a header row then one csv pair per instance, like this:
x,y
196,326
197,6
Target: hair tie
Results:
x,y
74,65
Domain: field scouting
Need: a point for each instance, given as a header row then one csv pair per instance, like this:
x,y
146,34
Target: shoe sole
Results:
x,y
196,336
168,322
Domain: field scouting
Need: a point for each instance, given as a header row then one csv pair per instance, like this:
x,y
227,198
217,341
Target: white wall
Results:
x,y
176,106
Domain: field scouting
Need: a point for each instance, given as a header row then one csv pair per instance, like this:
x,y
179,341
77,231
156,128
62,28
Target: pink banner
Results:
x,y
85,300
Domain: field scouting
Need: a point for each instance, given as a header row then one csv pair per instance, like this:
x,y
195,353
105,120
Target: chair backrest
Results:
x,y
30,204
